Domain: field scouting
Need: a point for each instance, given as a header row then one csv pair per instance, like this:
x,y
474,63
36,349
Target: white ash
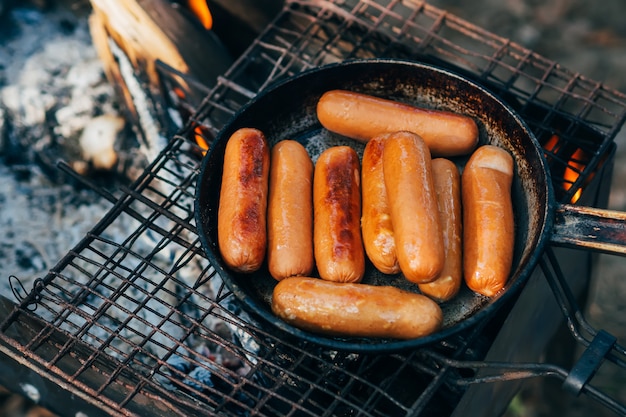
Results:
x,y
51,72
97,141
53,98
40,221
52,86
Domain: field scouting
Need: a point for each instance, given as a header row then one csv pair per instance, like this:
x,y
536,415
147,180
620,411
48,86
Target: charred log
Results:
x,y
132,37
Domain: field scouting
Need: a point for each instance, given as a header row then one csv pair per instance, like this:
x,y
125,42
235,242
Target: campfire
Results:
x,y
91,94
104,127
159,59
108,84
137,43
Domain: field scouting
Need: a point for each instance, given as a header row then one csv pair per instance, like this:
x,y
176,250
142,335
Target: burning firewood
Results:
x,y
133,37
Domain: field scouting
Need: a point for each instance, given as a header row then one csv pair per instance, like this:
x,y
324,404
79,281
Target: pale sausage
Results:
x,y
349,309
376,227
361,117
413,207
488,223
447,180
290,211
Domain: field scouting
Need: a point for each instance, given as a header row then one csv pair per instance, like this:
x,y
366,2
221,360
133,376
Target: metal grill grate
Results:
x,y
134,318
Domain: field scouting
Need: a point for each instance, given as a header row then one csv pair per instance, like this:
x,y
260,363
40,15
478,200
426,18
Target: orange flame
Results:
x,y
550,145
179,92
202,143
201,10
574,167
572,172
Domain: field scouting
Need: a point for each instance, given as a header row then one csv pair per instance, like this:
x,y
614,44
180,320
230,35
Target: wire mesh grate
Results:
x,y
134,315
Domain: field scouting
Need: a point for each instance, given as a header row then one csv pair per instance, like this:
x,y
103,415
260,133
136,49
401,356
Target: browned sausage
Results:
x,y
376,227
338,246
241,222
488,223
350,309
413,204
447,180
290,211
361,117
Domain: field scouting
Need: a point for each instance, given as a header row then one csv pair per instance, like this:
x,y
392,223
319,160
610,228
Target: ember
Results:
x,y
574,163
573,171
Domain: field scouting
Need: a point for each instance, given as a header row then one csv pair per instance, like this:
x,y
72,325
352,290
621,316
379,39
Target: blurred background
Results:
x,y
589,38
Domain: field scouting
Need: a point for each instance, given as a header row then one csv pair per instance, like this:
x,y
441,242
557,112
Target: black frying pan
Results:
x,y
287,111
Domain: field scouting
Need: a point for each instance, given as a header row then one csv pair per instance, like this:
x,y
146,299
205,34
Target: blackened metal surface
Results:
x,y
598,230
589,362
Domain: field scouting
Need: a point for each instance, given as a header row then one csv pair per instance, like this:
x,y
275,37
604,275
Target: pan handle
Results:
x,y
590,228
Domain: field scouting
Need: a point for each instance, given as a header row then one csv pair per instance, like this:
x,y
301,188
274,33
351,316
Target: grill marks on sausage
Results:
x,y
375,155
342,178
248,218
338,246
251,175
252,154
376,152
242,236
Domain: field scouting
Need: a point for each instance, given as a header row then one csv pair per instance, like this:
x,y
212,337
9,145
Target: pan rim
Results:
x,y
256,308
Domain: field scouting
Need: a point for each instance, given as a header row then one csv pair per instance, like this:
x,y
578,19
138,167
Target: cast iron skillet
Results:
x,y
287,111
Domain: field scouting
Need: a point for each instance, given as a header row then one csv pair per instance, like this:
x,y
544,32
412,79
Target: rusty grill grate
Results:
x,y
133,319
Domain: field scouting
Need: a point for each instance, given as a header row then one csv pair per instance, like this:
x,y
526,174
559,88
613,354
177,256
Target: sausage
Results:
x,y
413,207
488,224
290,211
376,227
447,181
338,246
361,117
242,209
350,309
